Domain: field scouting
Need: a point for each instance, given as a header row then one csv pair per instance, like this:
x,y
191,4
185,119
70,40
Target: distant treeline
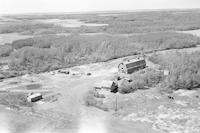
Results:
x,y
47,52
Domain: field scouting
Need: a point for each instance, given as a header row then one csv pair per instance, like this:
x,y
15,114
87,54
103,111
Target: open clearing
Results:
x,y
140,112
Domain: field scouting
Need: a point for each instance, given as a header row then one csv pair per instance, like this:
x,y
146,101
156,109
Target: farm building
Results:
x,y
34,97
105,84
132,65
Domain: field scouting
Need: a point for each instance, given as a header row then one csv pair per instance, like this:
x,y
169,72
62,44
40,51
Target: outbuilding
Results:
x,y
106,84
130,66
34,97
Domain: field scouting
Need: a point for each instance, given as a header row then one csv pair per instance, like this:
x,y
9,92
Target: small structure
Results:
x,y
132,65
34,97
166,72
106,84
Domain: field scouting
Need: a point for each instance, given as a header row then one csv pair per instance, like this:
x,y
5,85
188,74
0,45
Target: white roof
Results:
x,y
104,84
35,95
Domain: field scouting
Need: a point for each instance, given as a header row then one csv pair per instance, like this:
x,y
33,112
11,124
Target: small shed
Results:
x,y
106,84
34,97
130,66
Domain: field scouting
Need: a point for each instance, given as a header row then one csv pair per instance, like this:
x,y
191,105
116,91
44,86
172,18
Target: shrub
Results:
x,y
124,87
164,40
34,59
5,50
184,69
22,43
141,80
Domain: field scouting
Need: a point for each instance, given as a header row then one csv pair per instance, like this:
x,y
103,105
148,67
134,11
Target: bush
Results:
x,y
124,87
22,43
184,69
5,50
141,80
164,40
34,59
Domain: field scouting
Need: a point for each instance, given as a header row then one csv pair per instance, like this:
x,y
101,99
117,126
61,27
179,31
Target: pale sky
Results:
x,y
38,6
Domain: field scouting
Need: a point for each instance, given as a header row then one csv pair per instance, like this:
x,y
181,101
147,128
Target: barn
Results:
x,y
130,66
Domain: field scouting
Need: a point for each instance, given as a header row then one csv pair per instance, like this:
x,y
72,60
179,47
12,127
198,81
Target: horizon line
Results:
x,y
98,11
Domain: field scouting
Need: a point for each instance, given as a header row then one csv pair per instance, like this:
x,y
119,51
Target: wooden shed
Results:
x,y
130,66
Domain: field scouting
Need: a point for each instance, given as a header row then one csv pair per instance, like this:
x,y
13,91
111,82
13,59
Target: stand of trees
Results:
x,y
49,52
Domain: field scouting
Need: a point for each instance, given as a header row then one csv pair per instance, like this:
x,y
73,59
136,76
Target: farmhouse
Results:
x,y
132,65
